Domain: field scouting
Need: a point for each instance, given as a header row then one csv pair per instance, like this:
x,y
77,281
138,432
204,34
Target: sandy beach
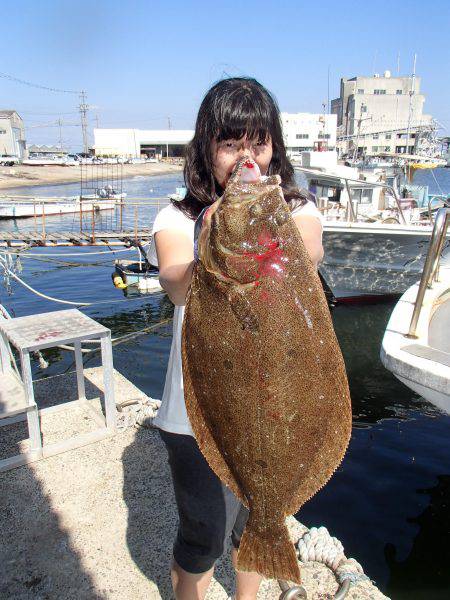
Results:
x,y
24,175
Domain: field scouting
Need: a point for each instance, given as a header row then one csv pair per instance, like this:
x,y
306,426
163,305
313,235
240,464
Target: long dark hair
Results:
x,y
233,108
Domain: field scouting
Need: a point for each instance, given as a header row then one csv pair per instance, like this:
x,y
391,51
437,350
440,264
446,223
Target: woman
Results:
x,y
238,117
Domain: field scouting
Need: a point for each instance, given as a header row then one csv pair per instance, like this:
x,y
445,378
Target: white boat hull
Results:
x,y
422,363
20,210
363,259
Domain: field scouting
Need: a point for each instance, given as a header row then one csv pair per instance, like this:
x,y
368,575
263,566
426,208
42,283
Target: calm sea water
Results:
x,y
389,502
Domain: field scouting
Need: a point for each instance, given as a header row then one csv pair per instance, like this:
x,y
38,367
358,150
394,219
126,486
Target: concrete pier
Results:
x,y
97,523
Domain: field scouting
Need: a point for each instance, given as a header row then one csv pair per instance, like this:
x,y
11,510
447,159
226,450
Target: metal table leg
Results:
x,y
34,427
79,369
108,380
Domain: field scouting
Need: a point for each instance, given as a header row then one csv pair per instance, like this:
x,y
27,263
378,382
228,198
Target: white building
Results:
x,y
380,114
139,142
307,131
12,134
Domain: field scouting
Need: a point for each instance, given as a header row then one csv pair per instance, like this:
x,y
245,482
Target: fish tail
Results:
x,y
268,551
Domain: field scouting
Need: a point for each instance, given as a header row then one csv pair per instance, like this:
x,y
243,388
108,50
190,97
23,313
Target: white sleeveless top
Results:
x,y
172,415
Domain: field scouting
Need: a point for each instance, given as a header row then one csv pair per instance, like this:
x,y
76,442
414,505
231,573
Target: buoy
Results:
x,y
118,281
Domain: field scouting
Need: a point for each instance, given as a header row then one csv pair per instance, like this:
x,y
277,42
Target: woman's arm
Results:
x,y
311,231
176,261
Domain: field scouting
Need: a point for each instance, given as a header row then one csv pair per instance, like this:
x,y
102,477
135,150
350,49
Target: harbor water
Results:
x,y
389,502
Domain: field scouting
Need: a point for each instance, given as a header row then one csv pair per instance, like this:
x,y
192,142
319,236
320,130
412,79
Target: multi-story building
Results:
x,y
12,134
380,114
307,131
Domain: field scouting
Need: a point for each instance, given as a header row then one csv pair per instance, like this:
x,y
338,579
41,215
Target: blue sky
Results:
x,y
141,62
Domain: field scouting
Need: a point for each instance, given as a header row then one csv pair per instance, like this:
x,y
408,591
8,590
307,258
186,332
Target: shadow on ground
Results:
x,y
37,557
152,514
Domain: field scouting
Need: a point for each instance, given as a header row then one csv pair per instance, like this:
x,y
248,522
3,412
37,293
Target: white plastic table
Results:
x,y
35,332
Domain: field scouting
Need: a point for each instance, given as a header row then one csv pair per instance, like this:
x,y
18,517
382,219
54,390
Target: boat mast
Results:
x,y
411,94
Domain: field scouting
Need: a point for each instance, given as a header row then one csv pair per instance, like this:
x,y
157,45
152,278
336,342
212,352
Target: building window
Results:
x,y
302,136
2,131
360,91
324,136
387,148
379,92
374,148
388,136
375,136
399,92
363,108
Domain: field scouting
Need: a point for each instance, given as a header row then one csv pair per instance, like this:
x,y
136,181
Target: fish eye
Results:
x,y
255,210
281,217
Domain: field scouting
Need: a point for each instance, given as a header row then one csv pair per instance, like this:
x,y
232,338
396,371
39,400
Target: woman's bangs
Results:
x,y
243,120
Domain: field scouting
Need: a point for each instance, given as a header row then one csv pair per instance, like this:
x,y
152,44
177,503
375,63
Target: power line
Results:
x,y
36,85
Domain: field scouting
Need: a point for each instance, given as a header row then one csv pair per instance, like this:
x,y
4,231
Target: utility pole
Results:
x,y
96,121
411,94
84,107
169,123
360,120
60,134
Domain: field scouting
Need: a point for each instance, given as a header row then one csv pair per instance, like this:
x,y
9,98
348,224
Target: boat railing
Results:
x,y
352,212
439,198
430,271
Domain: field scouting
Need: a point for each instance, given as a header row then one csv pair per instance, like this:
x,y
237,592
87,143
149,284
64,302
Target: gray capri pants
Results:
x,y
209,512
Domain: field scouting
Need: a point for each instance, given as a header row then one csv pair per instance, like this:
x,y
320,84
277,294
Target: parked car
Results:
x,y
8,160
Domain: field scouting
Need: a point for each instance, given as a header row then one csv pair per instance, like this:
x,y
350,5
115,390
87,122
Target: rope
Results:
x,y
437,183
319,546
59,300
68,253
141,411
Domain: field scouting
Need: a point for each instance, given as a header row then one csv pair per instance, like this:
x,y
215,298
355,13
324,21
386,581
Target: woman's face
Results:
x,y
226,153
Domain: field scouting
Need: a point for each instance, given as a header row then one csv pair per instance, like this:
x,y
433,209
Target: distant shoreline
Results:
x,y
28,176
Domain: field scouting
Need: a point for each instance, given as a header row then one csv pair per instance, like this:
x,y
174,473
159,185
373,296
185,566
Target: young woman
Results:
x,y
238,117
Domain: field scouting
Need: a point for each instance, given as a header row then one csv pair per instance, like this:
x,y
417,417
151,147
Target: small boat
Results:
x,y
26,207
180,193
139,275
416,343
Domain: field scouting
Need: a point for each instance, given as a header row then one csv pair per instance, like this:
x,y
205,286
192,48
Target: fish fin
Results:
x,y
270,552
203,435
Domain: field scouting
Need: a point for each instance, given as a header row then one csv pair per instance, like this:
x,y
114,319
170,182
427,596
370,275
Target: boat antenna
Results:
x,y
411,94
328,90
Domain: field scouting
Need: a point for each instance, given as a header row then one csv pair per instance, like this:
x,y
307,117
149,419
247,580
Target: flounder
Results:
x,y
264,380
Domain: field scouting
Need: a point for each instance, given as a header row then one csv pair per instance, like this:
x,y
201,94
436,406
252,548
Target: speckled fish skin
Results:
x,y
264,380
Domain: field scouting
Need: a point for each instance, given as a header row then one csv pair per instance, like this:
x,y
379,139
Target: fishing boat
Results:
x,y
416,343
375,242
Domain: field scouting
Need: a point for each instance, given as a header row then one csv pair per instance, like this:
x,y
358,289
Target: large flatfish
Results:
x,y
264,380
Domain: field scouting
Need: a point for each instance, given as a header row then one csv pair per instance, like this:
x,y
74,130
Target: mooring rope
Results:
x,y
318,545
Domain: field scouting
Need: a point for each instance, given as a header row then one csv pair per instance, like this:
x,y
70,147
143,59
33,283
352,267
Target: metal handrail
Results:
x,y
431,265
442,198
361,182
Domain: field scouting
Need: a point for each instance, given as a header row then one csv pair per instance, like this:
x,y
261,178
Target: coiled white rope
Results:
x,y
319,546
141,411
